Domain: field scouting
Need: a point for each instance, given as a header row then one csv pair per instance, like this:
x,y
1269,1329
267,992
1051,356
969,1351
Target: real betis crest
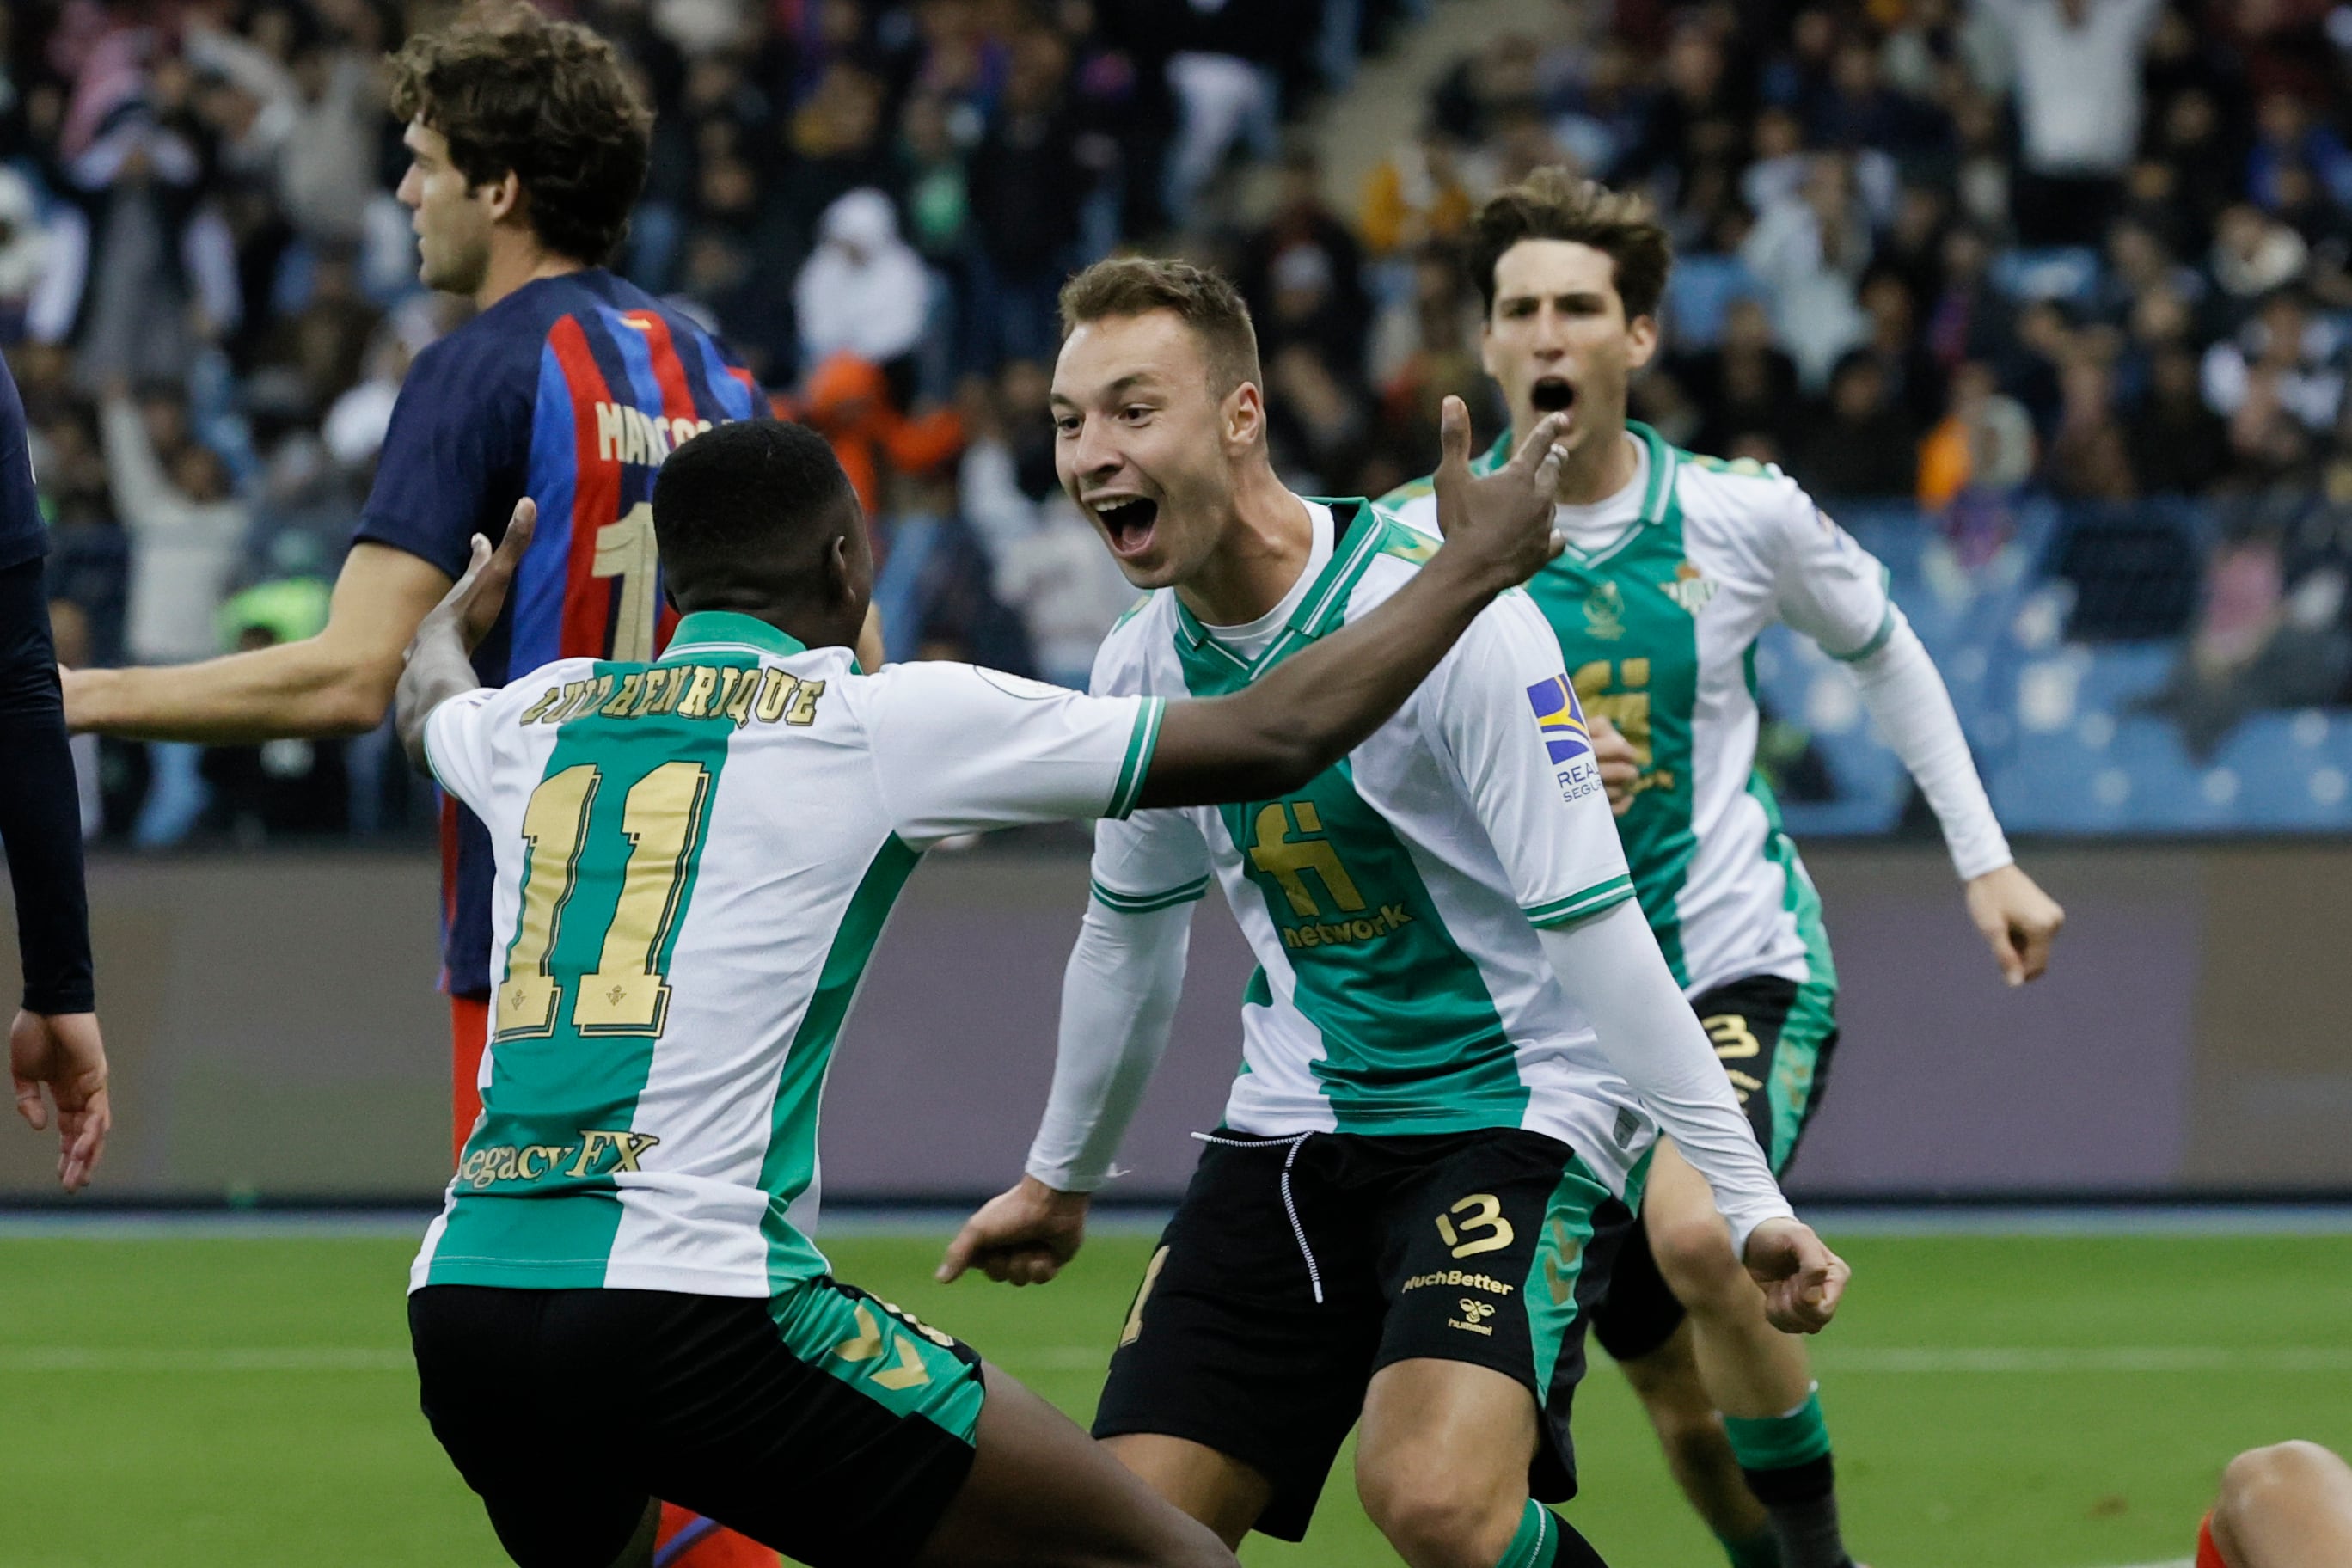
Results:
x,y
1688,589
1604,612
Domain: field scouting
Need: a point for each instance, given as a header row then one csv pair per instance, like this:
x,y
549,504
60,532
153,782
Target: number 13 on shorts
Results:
x,y
1475,1224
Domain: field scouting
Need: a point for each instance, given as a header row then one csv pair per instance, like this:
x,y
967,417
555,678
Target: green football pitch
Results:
x,y
214,1401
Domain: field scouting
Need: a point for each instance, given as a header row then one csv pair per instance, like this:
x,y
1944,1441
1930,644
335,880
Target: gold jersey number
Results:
x,y
662,818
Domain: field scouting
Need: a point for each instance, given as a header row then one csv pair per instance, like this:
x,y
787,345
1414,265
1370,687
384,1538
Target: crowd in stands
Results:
x,y
1966,256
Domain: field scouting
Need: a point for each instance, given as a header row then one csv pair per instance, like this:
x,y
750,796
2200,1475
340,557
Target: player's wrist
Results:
x,y
1466,581
1057,1190
1969,879
89,698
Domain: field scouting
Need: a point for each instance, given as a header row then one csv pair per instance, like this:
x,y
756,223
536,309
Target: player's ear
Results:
x,y
1641,341
1245,414
505,196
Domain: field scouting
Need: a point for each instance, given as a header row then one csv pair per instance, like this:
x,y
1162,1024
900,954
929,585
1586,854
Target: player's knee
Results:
x,y
1694,1254
2261,1478
1440,1516
1693,1437
1667,1383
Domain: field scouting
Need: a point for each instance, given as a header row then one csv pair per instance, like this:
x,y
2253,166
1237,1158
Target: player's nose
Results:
x,y
1095,455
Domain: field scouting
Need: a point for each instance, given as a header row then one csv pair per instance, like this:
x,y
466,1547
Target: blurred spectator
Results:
x,y
877,203
1743,386
1320,426
1416,195
1809,248
2088,457
186,529
187,533
1046,563
1867,446
279,787
2177,445
862,291
1028,187
1913,378
314,354
25,251
2078,109
2296,351
849,400
2255,254
1982,447
1302,275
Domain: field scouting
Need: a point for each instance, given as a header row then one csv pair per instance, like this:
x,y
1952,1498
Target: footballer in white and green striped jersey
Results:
x,y
695,857
1393,904
1461,1037
1673,565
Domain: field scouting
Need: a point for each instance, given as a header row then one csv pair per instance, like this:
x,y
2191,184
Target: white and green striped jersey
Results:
x,y
695,859
1391,902
1657,617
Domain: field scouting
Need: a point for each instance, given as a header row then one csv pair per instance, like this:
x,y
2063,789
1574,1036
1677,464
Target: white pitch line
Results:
x,y
1964,1360
2103,1358
326,1358
1938,1359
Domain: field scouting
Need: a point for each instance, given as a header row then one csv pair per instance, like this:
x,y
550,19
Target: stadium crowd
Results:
x,y
1956,254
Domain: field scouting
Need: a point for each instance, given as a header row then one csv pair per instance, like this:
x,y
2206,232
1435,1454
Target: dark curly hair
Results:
x,y
1553,203
545,100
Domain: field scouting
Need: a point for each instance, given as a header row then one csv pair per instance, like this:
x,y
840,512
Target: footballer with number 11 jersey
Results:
x,y
695,857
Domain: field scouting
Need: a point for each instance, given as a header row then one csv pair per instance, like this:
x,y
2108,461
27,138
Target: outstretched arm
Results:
x,y
1913,710
336,683
440,661
1118,997
1610,964
1310,711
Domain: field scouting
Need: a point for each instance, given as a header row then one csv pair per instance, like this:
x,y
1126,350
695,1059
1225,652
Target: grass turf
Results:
x,y
222,1402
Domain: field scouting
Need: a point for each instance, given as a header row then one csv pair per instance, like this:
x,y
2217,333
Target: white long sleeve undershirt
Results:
x,y
1609,966
1119,994
1913,710
1118,997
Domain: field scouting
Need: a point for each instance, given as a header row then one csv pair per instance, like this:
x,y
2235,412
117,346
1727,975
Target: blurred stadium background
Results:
x,y
2053,318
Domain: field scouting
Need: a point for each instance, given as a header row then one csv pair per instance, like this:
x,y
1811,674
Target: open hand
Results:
x,y
1802,1279
474,602
1021,1237
63,1052
1621,765
2018,919
1503,522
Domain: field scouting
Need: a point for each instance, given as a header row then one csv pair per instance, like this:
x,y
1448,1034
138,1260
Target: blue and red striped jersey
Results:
x,y
571,390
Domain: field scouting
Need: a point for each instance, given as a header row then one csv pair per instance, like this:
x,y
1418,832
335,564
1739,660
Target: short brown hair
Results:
x,y
1136,286
1553,203
545,100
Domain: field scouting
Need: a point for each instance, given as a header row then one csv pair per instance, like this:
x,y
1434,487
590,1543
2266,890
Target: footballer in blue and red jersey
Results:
x,y
569,390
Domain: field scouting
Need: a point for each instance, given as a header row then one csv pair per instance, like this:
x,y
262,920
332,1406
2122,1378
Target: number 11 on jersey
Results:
x,y
662,818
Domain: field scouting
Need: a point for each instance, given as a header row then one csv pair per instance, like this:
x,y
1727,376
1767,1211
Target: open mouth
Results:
x,y
1553,394
1128,521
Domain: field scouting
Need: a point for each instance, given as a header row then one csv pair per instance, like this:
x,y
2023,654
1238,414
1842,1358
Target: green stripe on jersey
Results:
x,y
1576,906
790,1164
1137,765
616,830
1411,1038
1632,652
1145,903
